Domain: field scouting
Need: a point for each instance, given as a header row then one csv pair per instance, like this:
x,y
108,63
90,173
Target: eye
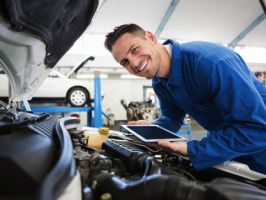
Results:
x,y
124,63
134,50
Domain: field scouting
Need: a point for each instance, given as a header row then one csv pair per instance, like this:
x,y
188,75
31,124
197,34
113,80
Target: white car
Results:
x,y
76,92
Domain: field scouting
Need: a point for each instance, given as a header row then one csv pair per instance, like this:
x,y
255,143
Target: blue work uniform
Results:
x,y
213,85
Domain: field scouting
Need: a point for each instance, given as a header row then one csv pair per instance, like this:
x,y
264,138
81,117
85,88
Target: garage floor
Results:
x,y
198,131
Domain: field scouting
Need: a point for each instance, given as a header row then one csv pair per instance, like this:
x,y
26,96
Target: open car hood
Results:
x,y
34,35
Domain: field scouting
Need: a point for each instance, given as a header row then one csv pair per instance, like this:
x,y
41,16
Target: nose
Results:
x,y
134,62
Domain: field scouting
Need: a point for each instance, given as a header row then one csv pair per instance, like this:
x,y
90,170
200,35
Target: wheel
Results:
x,y
78,96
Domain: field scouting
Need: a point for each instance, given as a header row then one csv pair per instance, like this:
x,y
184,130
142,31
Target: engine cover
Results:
x,y
27,152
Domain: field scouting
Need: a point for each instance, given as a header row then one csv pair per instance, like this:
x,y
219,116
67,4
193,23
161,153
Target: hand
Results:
x,y
139,122
177,146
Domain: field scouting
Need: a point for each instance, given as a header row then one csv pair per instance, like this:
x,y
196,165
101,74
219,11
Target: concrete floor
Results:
x,y
198,131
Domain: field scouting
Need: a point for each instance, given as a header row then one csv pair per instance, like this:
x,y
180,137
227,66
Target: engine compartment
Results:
x,y
126,168
47,157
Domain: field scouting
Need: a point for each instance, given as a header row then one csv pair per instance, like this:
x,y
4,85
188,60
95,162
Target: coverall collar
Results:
x,y
175,76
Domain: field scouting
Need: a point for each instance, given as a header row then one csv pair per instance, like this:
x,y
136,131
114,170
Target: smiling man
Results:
x,y
140,53
209,82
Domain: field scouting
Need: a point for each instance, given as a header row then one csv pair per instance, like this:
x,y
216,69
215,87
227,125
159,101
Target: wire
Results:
x,y
146,147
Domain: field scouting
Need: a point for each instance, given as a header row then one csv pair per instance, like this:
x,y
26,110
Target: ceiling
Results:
x,y
230,22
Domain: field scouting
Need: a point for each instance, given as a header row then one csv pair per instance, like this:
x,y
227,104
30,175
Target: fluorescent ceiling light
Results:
x,y
129,76
252,54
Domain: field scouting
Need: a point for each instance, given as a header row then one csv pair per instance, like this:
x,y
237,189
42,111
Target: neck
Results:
x,y
165,63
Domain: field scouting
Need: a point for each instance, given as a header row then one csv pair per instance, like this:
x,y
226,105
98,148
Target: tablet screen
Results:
x,y
151,133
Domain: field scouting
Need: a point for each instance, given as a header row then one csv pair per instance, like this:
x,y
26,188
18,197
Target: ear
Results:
x,y
151,36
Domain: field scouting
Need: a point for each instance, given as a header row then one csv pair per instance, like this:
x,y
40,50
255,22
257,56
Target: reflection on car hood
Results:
x,y
22,58
34,35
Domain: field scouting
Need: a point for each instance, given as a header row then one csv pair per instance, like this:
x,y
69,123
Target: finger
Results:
x,y
132,122
143,122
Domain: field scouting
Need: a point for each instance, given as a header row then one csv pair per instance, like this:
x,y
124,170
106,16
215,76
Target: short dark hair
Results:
x,y
257,74
118,31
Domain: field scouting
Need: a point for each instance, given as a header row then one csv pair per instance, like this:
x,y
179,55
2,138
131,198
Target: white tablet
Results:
x,y
152,133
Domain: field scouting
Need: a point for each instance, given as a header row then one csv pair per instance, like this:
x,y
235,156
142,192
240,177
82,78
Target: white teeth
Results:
x,y
143,66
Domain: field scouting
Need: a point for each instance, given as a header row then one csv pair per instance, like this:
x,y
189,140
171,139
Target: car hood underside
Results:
x,y
34,35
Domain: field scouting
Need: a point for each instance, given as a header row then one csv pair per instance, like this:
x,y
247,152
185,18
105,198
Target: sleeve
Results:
x,y
230,84
171,116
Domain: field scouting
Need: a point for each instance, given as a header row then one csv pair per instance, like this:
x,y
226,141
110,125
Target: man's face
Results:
x,y
139,55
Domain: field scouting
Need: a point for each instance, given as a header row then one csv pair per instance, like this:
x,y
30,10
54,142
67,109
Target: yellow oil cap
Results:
x,y
103,131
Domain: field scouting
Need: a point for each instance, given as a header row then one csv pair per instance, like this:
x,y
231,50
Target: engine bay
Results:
x,y
43,155
126,168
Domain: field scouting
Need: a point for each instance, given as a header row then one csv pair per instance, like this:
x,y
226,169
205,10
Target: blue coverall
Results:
x,y
213,85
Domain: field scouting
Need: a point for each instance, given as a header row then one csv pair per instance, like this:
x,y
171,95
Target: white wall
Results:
x,y
117,89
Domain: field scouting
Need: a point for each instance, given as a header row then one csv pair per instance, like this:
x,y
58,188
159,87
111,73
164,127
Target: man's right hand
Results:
x,y
177,146
139,122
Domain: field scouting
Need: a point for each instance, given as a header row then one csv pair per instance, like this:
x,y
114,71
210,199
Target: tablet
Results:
x,y
152,133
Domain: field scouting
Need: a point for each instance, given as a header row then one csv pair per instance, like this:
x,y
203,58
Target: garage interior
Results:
x,y
242,28
94,156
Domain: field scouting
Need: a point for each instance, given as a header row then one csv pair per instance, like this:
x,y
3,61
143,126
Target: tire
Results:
x,y
78,96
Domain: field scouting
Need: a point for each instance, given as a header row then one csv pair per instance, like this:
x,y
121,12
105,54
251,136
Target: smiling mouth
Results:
x,y
143,66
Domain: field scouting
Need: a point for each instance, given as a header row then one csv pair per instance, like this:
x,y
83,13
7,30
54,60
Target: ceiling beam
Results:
x,y
166,17
247,30
263,6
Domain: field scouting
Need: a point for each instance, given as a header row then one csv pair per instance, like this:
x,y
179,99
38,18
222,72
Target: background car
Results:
x,y
58,87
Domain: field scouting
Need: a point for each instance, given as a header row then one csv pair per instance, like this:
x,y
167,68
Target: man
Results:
x,y
260,76
209,82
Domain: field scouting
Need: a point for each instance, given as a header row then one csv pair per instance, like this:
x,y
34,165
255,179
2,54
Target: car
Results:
x,y
47,157
58,87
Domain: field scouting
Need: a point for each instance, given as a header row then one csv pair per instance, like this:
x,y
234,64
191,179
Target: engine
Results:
x,y
45,157
138,110
126,168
